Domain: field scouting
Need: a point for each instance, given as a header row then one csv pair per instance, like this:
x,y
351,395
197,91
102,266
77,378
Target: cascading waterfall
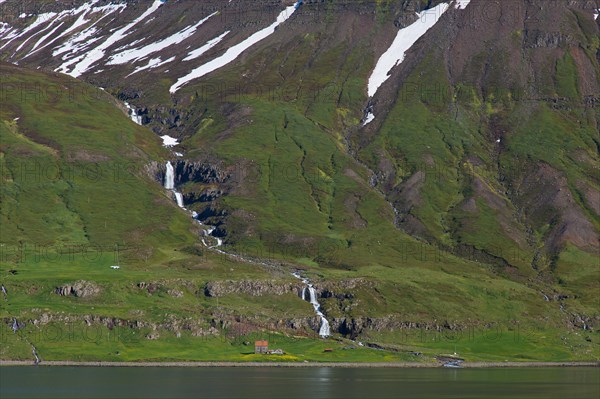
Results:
x,y
170,177
133,114
169,184
178,198
324,330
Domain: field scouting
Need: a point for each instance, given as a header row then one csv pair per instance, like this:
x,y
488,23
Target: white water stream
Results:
x,y
133,114
170,177
169,184
178,198
324,330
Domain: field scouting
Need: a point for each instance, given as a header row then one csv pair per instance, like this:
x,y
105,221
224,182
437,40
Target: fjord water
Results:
x,y
310,382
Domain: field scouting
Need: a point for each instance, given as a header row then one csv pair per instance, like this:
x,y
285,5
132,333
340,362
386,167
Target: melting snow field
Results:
x,y
40,19
83,10
153,63
131,55
233,52
462,4
97,53
201,50
404,40
74,38
369,118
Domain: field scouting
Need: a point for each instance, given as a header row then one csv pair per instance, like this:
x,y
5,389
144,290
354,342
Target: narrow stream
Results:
x,y
308,293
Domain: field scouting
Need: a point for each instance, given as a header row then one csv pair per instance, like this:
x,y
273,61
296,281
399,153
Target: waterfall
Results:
x,y
133,115
170,177
178,198
324,330
170,184
313,296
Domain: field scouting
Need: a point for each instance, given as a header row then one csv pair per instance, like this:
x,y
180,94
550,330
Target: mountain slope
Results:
x,y
77,201
497,137
463,192
73,168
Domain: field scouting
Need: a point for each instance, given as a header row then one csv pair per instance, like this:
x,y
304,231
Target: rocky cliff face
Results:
x,y
189,171
79,289
249,287
202,183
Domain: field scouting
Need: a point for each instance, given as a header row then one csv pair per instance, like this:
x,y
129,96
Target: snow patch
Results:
x,y
97,53
368,119
404,40
5,28
169,141
81,20
233,52
82,40
462,4
40,19
43,39
142,52
201,50
153,63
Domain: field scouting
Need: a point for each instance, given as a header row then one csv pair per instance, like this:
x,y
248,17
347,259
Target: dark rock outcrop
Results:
x,y
539,39
79,289
251,287
190,171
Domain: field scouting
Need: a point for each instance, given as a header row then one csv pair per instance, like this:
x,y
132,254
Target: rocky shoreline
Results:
x,y
66,363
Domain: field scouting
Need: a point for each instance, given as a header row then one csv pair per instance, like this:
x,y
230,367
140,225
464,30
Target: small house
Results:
x,y
261,347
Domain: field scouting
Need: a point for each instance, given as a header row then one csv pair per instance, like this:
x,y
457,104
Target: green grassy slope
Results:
x,y
306,200
73,169
466,267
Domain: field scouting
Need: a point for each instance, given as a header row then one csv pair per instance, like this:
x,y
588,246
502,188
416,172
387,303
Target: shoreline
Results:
x,y
67,363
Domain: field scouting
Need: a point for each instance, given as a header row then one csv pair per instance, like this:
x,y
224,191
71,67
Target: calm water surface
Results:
x,y
305,383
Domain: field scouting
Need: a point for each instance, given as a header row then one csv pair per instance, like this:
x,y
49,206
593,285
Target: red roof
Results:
x,y
261,343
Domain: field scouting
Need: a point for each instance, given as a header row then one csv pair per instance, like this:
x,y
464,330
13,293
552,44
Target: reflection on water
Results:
x,y
313,383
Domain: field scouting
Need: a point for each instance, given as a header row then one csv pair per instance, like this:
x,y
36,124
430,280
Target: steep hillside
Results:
x,y
488,139
430,165
92,244
73,169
